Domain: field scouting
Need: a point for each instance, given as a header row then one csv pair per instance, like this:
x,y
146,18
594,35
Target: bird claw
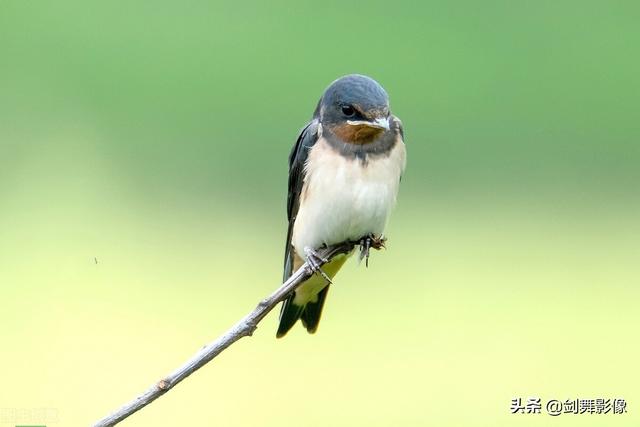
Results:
x,y
368,242
314,261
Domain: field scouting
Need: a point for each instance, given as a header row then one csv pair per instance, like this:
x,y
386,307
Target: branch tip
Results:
x,y
246,327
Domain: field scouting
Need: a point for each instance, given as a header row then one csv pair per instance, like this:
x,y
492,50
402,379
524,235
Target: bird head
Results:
x,y
355,108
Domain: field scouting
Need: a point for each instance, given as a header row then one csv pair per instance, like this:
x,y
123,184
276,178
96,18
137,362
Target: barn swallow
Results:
x,y
344,174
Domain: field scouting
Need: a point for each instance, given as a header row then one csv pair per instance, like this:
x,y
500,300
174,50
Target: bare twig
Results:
x,y
245,327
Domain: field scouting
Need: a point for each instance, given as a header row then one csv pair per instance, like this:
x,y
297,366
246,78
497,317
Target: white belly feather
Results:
x,y
342,198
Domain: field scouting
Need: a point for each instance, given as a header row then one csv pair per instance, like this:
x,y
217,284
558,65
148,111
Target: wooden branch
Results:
x,y
245,327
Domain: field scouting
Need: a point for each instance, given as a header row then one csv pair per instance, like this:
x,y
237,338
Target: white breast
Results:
x,y
342,198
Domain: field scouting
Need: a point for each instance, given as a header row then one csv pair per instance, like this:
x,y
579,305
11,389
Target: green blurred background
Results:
x,y
152,138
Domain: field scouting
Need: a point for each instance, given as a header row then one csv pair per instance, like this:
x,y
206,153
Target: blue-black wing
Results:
x,y
290,312
297,159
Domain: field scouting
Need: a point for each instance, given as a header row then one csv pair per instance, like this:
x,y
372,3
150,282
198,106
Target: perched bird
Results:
x,y
344,173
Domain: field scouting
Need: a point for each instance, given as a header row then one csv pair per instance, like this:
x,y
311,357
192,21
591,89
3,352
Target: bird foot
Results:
x,y
314,260
368,242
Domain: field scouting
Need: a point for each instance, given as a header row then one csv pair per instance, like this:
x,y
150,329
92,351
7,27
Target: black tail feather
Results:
x,y
309,314
289,315
313,311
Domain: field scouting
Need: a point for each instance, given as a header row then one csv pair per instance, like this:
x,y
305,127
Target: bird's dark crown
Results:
x,y
353,90
352,107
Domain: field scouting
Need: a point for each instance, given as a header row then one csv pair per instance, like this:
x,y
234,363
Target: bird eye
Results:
x,y
348,110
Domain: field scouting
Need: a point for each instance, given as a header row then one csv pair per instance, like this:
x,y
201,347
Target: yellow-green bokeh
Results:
x,y
142,186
